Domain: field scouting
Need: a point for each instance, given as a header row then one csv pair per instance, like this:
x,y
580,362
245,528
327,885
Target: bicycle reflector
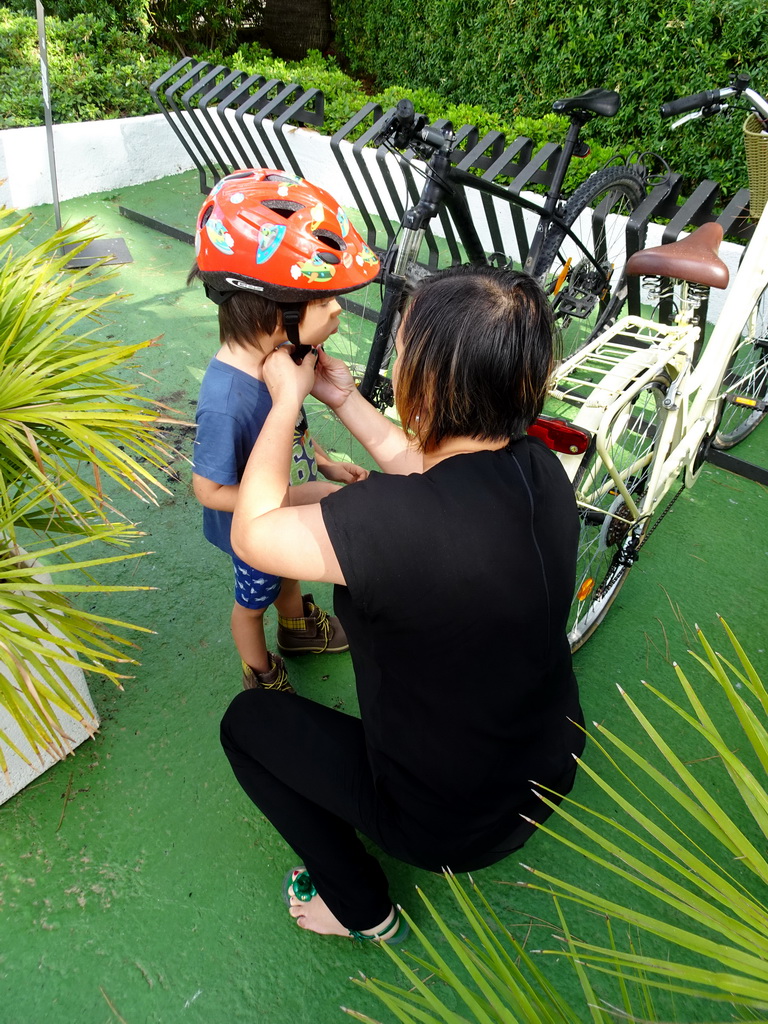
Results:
x,y
560,436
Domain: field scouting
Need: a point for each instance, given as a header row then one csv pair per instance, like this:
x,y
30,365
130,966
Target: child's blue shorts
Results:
x,y
254,589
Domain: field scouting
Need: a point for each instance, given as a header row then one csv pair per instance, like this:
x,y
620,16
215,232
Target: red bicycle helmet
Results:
x,y
266,231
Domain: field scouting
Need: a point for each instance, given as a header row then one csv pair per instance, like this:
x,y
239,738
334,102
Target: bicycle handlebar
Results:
x,y
711,101
698,101
404,127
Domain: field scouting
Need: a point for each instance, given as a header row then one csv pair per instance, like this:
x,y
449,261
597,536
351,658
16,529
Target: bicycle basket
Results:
x,y
756,145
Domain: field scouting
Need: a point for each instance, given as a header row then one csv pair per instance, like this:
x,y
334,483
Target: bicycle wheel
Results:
x,y
745,386
610,536
586,299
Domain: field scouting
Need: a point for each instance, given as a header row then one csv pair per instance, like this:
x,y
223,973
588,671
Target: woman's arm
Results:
x,y
382,439
289,541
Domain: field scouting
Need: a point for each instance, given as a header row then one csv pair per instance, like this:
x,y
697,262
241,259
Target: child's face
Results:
x,y
321,320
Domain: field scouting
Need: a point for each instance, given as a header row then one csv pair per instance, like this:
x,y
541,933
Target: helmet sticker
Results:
x,y
219,236
343,220
367,255
291,180
317,213
270,237
314,270
216,188
346,259
236,197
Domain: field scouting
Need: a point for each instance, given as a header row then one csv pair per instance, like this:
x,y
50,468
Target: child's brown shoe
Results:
x,y
316,633
275,679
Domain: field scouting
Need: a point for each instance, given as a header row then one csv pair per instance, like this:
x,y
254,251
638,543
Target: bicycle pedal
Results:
x,y
579,306
758,404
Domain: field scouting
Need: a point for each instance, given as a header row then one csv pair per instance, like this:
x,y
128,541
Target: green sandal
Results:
x,y
298,883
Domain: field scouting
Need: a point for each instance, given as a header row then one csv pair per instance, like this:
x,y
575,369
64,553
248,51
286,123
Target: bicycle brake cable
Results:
x,y
425,173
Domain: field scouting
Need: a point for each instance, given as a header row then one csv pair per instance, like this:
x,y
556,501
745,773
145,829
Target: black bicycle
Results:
x,y
574,246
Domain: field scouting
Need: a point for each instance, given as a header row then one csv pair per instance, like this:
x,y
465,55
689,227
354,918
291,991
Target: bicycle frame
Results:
x,y
750,281
648,398
444,190
693,400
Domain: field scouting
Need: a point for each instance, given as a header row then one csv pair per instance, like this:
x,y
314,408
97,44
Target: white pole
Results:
x,y
47,106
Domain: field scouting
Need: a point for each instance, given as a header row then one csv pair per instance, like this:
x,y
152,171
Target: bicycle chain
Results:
x,y
665,511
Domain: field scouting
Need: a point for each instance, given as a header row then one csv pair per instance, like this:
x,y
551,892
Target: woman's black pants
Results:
x,y
305,767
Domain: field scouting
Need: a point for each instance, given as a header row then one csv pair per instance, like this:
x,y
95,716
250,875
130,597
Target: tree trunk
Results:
x,y
291,27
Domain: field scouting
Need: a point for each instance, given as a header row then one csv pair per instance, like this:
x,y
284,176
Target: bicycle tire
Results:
x,y
587,302
746,380
607,543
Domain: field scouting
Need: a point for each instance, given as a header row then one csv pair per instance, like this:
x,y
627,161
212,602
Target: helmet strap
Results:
x,y
215,295
291,318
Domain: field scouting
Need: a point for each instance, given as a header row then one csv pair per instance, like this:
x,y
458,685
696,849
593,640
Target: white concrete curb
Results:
x,y
91,156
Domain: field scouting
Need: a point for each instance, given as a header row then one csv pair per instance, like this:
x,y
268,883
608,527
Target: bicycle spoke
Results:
x,y
588,297
745,386
611,530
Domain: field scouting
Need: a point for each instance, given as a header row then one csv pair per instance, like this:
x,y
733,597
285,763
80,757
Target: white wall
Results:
x,y
91,156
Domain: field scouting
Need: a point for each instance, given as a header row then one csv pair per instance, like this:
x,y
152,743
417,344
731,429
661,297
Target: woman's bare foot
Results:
x,y
314,916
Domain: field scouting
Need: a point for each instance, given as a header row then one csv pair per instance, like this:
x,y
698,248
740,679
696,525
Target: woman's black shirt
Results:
x,y
459,582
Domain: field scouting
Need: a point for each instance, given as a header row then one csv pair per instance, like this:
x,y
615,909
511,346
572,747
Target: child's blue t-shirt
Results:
x,y
231,411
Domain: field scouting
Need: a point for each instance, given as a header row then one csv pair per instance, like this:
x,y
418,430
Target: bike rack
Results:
x,y
219,114
219,117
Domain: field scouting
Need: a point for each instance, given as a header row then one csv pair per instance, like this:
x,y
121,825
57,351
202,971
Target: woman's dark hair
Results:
x,y
245,315
477,351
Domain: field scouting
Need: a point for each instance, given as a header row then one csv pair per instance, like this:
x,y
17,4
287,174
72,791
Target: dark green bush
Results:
x,y
190,26
130,14
516,58
181,26
95,70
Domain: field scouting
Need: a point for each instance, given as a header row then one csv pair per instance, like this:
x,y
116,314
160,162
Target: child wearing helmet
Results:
x,y
273,253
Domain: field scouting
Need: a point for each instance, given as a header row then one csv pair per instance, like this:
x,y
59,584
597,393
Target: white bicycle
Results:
x,y
640,405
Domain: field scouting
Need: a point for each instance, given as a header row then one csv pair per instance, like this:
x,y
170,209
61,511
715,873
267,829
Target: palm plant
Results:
x,y
69,427
694,854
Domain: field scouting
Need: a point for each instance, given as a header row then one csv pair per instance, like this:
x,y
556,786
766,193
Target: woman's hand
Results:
x,y
289,381
333,381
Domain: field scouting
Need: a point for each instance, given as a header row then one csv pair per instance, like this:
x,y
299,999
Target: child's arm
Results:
x,y
223,498
219,496
341,472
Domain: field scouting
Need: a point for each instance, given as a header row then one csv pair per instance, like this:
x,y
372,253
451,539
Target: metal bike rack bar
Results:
x,y
219,114
748,470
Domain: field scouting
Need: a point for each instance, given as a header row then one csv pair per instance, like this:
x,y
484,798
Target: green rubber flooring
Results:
x,y
137,883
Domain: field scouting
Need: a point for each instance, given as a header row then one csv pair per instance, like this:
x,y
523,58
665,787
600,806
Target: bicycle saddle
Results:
x,y
694,259
604,102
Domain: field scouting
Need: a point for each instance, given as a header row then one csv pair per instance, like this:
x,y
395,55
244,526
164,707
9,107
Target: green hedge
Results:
x,y
516,57
100,71
96,70
344,96
495,63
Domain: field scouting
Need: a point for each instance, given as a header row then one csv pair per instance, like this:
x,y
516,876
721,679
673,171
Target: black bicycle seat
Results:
x,y
604,102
